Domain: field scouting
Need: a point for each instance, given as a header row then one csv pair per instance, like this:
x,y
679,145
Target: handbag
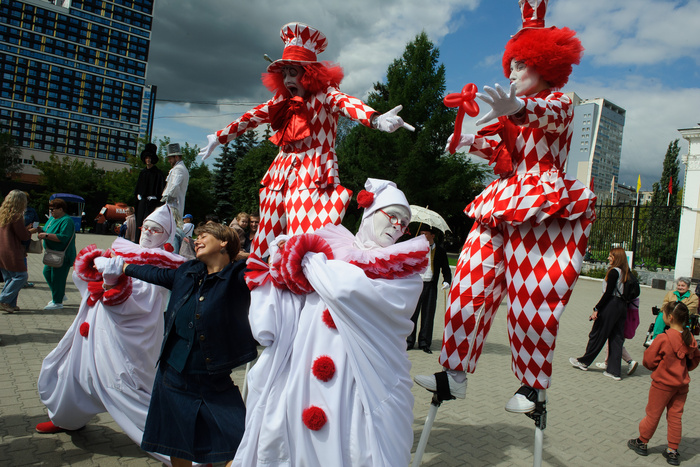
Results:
x,y
54,258
35,247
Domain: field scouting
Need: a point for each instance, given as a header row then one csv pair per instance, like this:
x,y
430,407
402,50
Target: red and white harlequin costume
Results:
x,y
106,361
332,386
530,232
301,189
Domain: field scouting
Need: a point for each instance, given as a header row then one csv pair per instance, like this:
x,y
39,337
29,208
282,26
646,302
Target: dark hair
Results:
x,y
619,261
58,203
679,312
223,233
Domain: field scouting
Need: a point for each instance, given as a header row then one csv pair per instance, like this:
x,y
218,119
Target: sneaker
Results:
x,y
49,427
53,306
602,365
523,401
672,456
6,308
637,446
574,362
459,390
610,375
632,367
28,285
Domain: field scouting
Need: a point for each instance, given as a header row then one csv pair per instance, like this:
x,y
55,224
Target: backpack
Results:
x,y
630,294
630,290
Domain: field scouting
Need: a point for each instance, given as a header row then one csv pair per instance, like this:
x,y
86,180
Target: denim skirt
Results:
x,y
194,417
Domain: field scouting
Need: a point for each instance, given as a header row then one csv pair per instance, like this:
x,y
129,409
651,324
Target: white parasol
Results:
x,y
426,216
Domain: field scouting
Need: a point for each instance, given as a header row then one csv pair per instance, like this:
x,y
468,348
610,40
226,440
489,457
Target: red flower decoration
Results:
x,y
168,247
84,329
314,418
328,319
365,199
465,103
323,368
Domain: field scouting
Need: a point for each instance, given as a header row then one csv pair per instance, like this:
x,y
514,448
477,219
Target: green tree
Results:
x,y
10,156
224,173
671,171
250,170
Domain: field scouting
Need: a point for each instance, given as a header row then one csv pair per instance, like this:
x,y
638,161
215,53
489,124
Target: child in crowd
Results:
x,y
670,357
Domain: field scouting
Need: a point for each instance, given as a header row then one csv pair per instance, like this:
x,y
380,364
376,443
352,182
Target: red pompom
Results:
x,y
328,319
314,418
365,199
323,368
84,329
290,266
168,247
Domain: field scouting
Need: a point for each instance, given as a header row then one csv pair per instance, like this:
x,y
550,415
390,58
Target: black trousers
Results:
x,y
609,326
143,209
426,310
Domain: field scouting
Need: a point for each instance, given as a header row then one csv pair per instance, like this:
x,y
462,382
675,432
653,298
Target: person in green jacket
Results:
x,y
681,294
58,234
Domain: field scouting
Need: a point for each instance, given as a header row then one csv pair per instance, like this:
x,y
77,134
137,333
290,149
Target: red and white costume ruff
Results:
x,y
333,386
106,361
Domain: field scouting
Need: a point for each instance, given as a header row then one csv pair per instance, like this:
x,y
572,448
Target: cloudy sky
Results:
x,y
643,55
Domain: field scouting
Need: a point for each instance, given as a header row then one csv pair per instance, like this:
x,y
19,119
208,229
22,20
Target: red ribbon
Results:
x,y
289,120
502,158
464,101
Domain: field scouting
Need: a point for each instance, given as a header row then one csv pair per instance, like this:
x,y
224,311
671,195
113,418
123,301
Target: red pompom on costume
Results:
x,y
328,319
314,418
84,329
323,368
294,250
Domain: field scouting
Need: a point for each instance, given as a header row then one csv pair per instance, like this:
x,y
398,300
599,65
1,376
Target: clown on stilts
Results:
x,y
301,189
531,224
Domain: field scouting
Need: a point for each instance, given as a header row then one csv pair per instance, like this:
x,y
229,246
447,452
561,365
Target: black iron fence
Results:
x,y
651,232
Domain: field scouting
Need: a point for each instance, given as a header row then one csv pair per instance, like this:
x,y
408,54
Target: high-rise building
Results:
x,y
596,145
74,78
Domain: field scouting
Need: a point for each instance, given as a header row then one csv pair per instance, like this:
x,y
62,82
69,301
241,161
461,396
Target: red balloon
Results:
x,y
465,103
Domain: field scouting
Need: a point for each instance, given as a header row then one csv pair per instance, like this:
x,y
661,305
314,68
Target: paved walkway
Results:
x,y
589,421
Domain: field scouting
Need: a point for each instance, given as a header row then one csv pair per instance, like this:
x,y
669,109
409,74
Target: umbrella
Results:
x,y
426,216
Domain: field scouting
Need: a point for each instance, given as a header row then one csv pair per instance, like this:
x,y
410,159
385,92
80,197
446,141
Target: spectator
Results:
x,y
58,234
149,187
188,225
240,225
681,294
176,183
130,222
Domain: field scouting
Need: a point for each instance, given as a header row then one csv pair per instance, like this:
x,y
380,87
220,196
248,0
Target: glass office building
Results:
x,y
74,77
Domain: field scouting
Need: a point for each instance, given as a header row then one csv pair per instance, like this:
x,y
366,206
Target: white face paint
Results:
x,y
390,223
527,80
291,76
153,235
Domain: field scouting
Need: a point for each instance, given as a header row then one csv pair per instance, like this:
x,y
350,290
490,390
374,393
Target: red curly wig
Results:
x,y
550,51
317,77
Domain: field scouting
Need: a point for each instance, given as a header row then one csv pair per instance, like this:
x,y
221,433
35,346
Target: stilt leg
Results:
x,y
540,418
429,420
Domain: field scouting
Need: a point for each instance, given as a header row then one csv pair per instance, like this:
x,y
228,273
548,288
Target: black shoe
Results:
x,y
426,349
637,446
672,457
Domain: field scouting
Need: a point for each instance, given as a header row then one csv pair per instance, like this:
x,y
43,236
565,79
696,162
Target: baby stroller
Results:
x,y
694,325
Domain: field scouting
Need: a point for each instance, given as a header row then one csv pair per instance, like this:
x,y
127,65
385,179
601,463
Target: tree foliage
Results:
x,y
225,174
10,156
250,170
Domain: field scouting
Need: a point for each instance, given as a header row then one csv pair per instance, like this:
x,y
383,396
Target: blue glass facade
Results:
x,y
73,75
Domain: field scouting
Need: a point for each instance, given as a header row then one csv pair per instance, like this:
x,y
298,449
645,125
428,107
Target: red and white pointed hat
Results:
x,y
302,44
533,12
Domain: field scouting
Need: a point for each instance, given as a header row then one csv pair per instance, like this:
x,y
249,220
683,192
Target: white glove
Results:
x,y
464,140
501,103
138,197
111,268
445,285
212,143
390,121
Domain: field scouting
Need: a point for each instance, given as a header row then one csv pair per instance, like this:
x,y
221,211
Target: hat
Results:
x,y
301,45
152,151
163,216
187,216
174,150
379,194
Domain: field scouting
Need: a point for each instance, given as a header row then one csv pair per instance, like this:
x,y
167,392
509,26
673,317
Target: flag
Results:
x,y
670,186
592,178
612,186
639,183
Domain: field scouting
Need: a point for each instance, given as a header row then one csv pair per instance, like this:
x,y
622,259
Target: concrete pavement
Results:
x,y
590,417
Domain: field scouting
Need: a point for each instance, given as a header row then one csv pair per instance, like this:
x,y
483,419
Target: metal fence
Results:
x,y
651,232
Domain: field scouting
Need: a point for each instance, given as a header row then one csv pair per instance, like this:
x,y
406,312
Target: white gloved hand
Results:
x,y
390,121
464,140
138,197
111,268
501,103
445,285
212,143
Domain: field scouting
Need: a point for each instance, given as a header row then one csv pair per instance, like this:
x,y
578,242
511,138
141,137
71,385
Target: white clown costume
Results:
x,y
106,361
531,224
333,386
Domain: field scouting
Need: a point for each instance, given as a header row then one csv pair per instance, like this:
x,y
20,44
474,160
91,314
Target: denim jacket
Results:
x,y
221,318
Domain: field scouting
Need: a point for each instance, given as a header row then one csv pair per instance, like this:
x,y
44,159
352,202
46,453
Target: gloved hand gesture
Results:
x,y
212,143
464,140
445,286
501,102
111,268
390,121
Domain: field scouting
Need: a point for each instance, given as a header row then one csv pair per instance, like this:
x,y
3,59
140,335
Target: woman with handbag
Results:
x,y
59,236
12,252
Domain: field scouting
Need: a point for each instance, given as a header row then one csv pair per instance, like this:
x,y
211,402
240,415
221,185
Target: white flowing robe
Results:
x,y
112,368
368,401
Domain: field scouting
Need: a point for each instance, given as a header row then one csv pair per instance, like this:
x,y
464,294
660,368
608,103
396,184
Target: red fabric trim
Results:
x,y
96,291
85,263
119,293
294,250
152,258
295,52
397,266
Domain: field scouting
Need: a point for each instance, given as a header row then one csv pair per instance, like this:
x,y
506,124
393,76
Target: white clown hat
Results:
x,y
379,194
163,216
302,44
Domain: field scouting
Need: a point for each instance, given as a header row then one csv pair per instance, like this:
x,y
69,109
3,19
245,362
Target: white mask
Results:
x,y
389,224
527,80
153,235
291,77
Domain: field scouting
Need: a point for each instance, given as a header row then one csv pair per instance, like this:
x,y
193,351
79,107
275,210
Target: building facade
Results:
x,y
688,253
596,145
74,78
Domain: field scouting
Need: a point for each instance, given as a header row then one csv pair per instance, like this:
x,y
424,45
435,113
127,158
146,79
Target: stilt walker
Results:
x,y
531,224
